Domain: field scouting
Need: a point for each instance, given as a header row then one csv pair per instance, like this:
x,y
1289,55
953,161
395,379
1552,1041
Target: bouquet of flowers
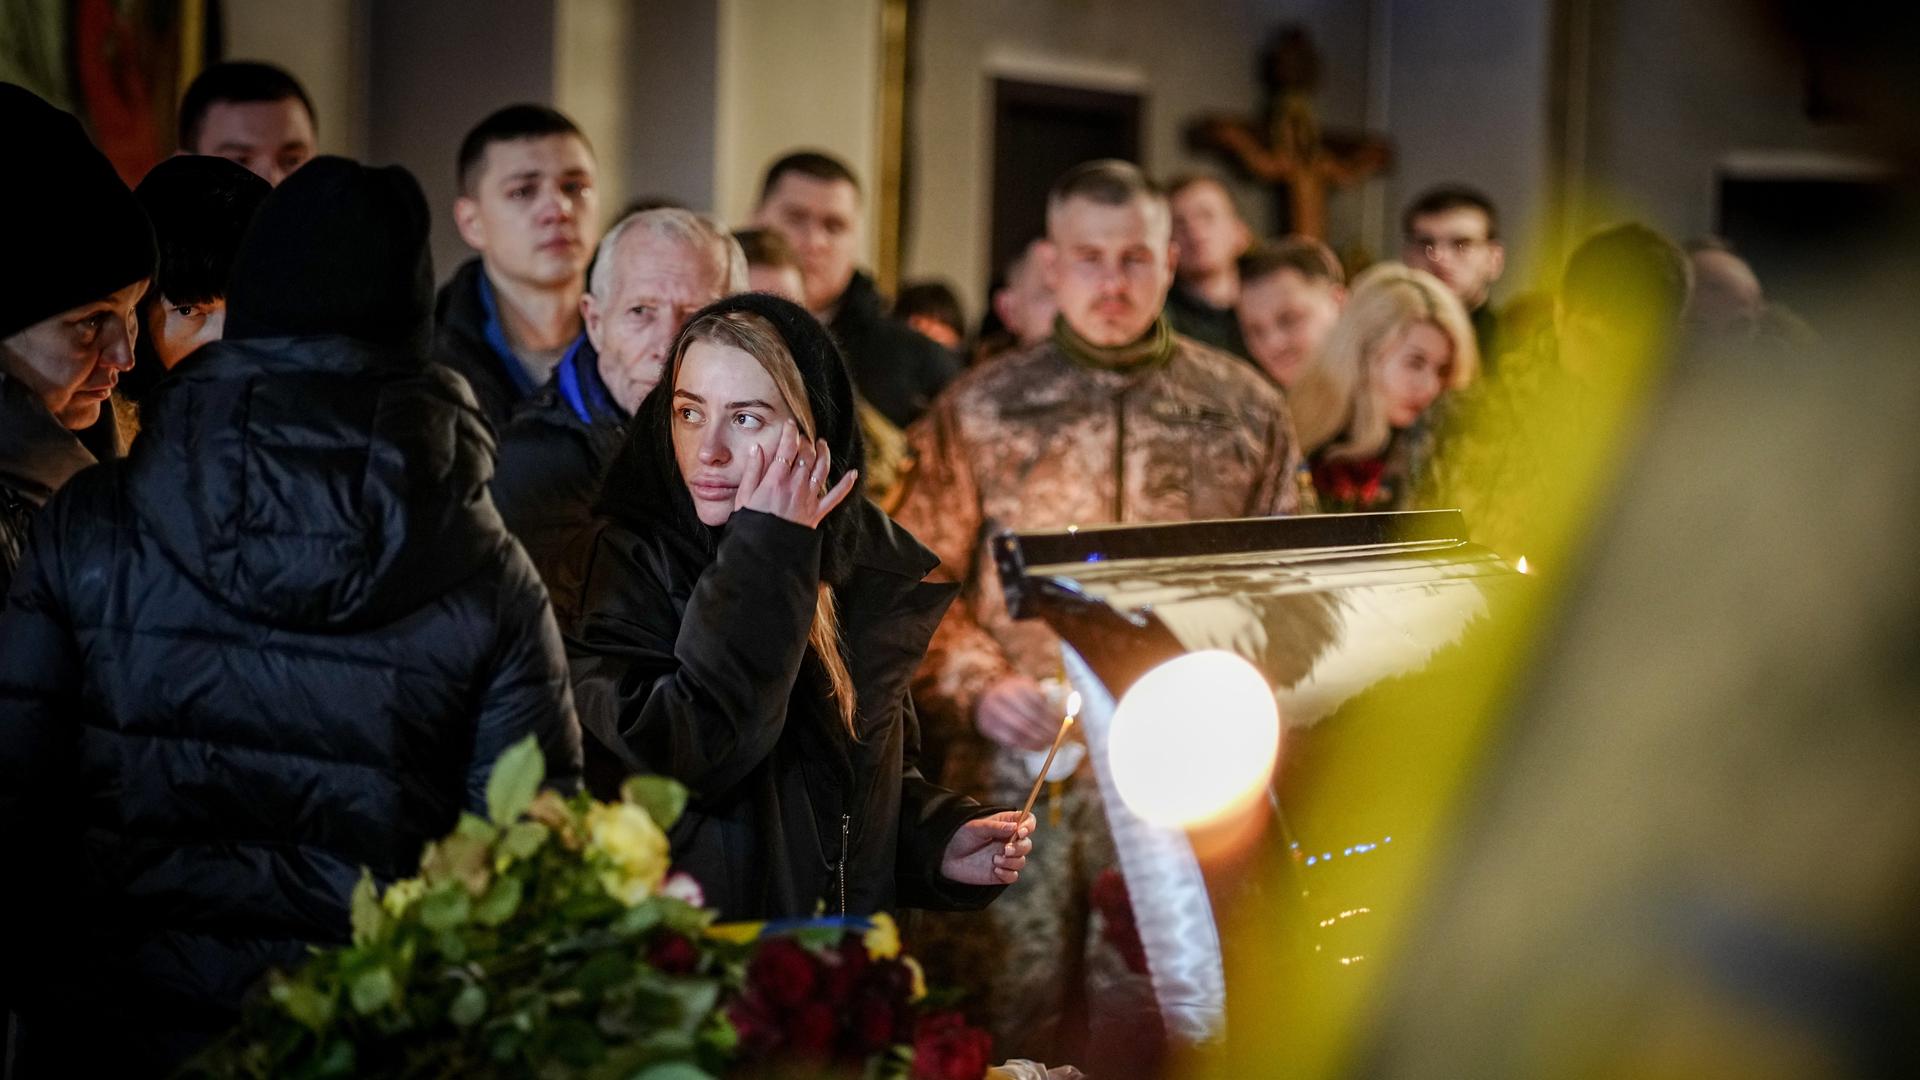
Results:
x,y
549,939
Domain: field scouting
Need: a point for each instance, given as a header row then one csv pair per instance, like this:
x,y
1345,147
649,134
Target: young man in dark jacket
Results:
x,y
528,205
81,256
284,640
656,267
814,201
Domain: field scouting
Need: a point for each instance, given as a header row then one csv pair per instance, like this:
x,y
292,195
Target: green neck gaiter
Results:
x,y
1153,349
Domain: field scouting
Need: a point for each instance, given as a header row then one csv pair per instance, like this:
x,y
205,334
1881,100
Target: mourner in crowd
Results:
x,y
200,208
814,201
529,207
283,641
67,325
254,115
1291,293
1113,419
654,269
1362,406
751,627
1211,236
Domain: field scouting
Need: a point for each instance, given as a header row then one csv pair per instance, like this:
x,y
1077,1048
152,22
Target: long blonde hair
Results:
x,y
756,337
1334,395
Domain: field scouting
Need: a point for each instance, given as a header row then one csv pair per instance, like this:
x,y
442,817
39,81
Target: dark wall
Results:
x,y
437,67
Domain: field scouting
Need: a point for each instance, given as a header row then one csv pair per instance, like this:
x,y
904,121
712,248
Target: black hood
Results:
x,y
338,248
643,489
316,483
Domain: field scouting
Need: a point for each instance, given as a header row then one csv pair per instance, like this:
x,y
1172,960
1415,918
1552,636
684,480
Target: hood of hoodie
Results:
x,y
316,483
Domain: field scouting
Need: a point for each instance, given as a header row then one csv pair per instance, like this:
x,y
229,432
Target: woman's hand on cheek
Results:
x,y
789,486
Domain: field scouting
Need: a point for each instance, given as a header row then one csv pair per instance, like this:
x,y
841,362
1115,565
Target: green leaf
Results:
x,y
638,919
369,918
475,827
682,917
309,1007
661,798
673,1070
720,1035
515,781
696,998
372,990
468,1006
575,1042
524,840
445,908
336,1060
501,901
453,947
602,973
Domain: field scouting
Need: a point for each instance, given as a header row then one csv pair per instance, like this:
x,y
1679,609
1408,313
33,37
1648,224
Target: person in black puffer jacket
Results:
x,y
712,598
284,640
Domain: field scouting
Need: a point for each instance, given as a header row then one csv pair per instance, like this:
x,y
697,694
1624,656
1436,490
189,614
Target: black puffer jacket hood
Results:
x,y
316,483
644,477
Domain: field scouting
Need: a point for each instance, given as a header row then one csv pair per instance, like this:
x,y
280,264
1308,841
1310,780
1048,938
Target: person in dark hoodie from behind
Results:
x,y
78,260
283,640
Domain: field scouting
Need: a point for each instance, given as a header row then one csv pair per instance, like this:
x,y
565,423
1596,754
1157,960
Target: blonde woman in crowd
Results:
x,y
1363,409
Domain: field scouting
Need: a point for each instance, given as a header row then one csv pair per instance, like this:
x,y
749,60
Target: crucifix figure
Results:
x,y
1294,154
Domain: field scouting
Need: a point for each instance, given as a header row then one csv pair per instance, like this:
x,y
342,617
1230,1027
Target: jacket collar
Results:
x,y
577,378
37,455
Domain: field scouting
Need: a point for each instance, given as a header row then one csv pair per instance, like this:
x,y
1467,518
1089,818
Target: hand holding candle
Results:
x,y
1066,724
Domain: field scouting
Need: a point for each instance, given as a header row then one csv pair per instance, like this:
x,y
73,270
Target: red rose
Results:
x,y
891,979
673,954
783,971
810,1030
873,1020
758,1028
844,971
1109,897
945,1048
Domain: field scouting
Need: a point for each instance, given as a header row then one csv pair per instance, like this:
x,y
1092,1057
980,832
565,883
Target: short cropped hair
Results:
x,y
1184,181
934,299
522,121
817,164
672,223
1439,200
767,247
200,208
1107,182
1304,255
239,81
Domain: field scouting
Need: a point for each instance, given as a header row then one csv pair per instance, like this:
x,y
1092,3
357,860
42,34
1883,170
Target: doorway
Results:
x,y
1040,130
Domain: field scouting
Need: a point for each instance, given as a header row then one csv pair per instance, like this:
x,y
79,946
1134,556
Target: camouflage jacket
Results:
x,y
1034,441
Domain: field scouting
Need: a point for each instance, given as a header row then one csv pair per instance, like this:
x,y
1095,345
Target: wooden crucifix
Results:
x,y
1294,154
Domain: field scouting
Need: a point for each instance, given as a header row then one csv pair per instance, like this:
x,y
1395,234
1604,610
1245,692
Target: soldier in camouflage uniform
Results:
x,y
1114,420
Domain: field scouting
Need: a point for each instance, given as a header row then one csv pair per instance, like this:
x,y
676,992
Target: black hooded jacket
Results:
x,y
460,342
691,660
283,640
552,455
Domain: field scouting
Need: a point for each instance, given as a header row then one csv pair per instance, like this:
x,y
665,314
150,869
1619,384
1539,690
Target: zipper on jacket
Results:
x,y
1120,458
846,828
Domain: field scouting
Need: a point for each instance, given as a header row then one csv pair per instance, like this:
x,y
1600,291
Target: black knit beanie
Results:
x,y
77,235
338,248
